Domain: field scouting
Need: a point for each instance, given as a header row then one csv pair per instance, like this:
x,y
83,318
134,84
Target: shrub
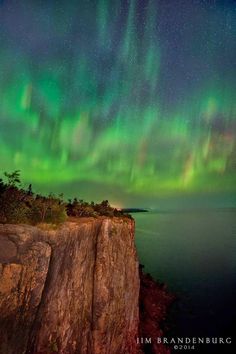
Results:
x,y
22,206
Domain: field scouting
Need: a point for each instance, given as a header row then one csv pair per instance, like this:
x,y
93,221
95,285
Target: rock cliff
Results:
x,y
70,290
154,303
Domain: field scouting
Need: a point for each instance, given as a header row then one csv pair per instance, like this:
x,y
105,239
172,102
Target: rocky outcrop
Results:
x,y
70,290
154,302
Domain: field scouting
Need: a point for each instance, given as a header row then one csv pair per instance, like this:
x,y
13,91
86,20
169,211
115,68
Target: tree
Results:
x,y
47,209
2,186
105,204
13,206
13,179
29,191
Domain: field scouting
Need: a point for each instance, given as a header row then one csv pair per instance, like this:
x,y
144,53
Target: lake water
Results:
x,y
194,253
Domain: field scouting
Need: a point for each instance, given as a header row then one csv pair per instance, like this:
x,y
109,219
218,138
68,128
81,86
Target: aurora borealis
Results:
x,y
133,96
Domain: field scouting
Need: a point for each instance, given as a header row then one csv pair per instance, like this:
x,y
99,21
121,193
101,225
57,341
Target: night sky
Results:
x,y
119,100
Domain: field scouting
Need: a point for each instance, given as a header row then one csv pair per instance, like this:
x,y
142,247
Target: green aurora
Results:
x,y
137,96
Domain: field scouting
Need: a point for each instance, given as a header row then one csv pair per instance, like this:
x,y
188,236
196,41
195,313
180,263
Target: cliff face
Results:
x,y
71,290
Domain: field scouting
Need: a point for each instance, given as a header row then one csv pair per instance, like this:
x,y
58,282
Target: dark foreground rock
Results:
x,y
70,290
154,303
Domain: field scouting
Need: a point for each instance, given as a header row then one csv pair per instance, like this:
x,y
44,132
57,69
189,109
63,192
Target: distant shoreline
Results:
x,y
134,210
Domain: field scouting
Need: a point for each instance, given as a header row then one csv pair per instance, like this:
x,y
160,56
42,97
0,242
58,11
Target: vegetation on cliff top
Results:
x,y
19,205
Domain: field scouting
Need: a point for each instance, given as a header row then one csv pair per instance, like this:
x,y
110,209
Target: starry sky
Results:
x,y
119,99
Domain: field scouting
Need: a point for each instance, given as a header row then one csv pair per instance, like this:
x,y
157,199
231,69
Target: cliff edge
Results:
x,y
70,290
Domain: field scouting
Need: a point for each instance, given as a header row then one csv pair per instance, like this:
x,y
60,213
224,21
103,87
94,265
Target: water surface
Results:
x,y
194,253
